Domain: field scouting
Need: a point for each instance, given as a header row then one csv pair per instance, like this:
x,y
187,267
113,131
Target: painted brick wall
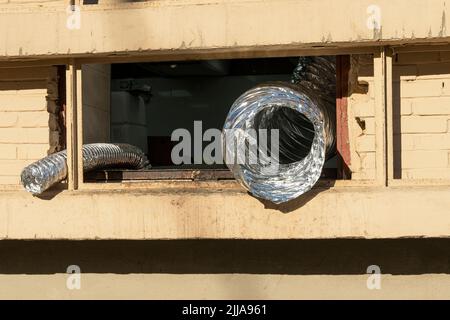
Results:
x,y
421,93
361,117
27,99
422,117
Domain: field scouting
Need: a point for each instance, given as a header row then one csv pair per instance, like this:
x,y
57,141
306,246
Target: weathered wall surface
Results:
x,y
241,269
421,92
207,210
421,102
361,117
163,26
28,123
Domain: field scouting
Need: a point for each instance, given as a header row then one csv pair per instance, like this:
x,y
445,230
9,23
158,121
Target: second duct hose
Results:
x,y
42,174
304,114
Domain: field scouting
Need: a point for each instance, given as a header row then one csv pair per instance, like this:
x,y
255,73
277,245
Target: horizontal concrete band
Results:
x,y
224,286
175,26
339,212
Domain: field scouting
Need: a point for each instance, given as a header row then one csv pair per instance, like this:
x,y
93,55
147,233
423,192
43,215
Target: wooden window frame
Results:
x,y
74,130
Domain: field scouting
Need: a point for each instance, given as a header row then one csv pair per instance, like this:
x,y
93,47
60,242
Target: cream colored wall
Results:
x,y
421,116
28,127
96,102
224,210
422,119
204,210
162,26
361,117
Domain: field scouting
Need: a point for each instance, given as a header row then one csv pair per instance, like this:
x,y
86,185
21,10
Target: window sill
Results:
x,y
226,213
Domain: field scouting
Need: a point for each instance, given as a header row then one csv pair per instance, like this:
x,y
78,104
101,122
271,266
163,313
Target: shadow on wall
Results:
x,y
300,201
295,257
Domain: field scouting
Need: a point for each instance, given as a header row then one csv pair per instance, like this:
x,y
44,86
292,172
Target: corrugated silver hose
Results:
x,y
303,115
42,174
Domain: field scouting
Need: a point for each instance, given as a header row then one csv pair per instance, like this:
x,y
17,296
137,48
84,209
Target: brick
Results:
x,y
357,98
24,135
52,90
54,137
27,73
365,143
24,119
8,151
21,101
31,151
36,85
404,105
52,106
8,119
5,180
429,173
417,159
21,89
53,122
367,160
366,109
425,88
425,141
365,174
370,125
33,119
431,106
423,124
13,167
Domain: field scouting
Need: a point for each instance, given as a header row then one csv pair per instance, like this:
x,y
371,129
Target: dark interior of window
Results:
x,y
151,100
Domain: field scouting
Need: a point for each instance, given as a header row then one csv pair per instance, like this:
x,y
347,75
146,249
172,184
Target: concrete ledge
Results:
x,y
203,213
177,26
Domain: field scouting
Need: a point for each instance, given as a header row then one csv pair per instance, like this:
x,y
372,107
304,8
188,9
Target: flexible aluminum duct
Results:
x,y
303,112
42,174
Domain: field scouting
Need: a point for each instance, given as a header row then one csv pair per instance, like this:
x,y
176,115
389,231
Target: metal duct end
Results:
x,y
269,102
32,179
44,173
303,115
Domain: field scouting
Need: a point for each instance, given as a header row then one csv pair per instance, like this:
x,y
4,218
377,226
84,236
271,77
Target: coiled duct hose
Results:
x,y
303,112
42,174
